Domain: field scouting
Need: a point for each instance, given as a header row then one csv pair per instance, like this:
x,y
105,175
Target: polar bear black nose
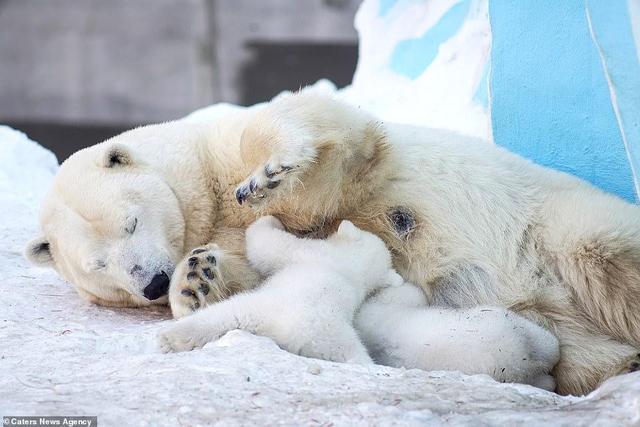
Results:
x,y
158,287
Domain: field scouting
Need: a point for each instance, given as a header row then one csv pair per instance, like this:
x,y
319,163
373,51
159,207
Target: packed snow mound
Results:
x,y
63,356
26,171
424,63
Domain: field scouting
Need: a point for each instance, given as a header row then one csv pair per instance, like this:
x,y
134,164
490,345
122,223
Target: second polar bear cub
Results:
x,y
309,299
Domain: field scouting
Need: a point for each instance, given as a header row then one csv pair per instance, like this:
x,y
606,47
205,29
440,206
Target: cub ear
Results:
x,y
347,229
394,279
116,155
38,252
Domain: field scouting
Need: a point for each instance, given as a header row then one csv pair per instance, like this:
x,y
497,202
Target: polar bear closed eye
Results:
x,y
307,303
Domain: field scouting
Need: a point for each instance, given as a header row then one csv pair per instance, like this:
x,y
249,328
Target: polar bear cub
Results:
x,y
399,329
309,299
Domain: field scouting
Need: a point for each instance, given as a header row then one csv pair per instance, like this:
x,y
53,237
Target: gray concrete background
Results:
x,y
111,64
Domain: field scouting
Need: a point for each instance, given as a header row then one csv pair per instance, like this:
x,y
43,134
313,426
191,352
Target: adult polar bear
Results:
x,y
470,223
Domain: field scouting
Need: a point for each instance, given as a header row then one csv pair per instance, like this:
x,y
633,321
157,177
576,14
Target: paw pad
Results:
x,y
208,273
204,288
201,284
257,186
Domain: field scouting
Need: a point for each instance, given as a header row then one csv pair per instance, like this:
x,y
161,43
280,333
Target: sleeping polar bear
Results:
x,y
468,222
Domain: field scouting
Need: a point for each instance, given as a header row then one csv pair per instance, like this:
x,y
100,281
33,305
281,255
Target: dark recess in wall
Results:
x,y
66,139
288,66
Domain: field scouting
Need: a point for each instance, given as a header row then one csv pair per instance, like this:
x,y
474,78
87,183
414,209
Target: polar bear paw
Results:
x,y
183,335
197,281
279,174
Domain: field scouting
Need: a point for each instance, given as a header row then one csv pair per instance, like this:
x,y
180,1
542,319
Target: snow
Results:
x,y
62,356
446,94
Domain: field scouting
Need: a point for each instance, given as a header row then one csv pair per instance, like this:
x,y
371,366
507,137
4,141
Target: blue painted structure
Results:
x,y
404,59
562,84
554,65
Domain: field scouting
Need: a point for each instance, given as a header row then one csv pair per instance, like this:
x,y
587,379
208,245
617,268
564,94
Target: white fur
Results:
x,y
400,330
490,227
308,302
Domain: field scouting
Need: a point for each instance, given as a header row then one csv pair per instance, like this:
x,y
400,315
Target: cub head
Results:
x,y
365,254
112,226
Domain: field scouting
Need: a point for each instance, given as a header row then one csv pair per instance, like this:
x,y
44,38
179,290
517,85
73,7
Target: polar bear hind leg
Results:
x,y
594,241
342,344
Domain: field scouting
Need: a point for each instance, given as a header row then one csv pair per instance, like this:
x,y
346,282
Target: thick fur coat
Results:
x,y
469,223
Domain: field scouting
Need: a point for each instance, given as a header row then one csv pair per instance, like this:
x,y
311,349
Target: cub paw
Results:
x,y
183,335
279,174
197,281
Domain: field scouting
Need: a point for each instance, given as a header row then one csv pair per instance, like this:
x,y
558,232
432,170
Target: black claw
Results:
x,y
634,366
241,194
197,251
269,172
192,275
204,288
253,185
272,184
208,273
211,259
193,261
188,293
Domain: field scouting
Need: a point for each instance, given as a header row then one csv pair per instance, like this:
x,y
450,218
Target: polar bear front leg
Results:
x,y
333,152
280,172
208,325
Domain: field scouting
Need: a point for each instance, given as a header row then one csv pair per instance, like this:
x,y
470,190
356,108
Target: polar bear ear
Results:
x,y
38,252
116,155
347,229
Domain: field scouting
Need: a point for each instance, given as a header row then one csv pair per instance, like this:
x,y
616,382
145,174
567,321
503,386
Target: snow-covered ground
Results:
x,y
61,356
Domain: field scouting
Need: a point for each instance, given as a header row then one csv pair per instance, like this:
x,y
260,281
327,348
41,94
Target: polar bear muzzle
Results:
x,y
158,287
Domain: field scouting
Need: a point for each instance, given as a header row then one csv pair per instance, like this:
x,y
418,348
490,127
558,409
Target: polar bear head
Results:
x,y
112,224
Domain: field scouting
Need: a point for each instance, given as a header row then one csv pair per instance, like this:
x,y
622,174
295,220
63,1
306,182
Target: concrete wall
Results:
x,y
116,61
127,62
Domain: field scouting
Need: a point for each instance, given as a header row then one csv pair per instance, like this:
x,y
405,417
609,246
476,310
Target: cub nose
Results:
x,y
158,287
